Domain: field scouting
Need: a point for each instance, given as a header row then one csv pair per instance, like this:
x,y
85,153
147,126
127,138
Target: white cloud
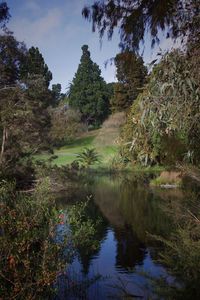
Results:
x,y
37,32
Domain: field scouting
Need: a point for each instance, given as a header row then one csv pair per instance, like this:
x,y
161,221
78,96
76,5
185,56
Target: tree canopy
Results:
x,y
56,89
163,125
12,54
24,119
88,92
131,74
34,65
66,124
57,95
134,18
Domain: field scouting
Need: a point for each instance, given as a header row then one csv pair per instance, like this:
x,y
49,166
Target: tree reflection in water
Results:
x,y
128,211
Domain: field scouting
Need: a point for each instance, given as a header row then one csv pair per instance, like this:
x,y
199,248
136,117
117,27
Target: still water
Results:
x,y
129,211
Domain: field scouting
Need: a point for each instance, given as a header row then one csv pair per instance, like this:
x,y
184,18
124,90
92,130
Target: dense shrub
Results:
x,y
66,125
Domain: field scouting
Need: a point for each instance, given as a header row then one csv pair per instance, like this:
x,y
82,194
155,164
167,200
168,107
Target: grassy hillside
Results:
x,y
103,139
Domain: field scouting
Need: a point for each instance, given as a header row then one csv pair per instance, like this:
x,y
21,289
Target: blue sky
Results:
x,y
59,30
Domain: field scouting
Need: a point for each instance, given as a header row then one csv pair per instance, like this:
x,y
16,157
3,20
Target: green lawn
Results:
x,y
67,154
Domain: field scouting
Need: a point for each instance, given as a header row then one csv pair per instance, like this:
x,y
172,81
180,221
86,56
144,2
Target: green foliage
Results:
x,y
23,126
68,153
33,253
88,157
66,125
34,65
163,125
12,54
30,259
131,75
83,228
120,100
24,119
56,89
181,252
88,91
110,89
57,95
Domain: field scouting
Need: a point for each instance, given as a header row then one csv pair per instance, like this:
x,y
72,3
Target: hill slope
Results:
x,y
105,140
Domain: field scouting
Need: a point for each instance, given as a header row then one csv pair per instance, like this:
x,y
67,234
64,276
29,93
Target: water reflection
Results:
x,y
86,255
125,202
130,251
128,211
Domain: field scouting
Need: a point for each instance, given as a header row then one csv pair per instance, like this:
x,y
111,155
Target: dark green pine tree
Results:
x,y
35,72
131,75
88,92
35,65
56,90
57,95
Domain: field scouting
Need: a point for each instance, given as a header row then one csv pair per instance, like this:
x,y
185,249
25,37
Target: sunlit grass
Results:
x,y
68,153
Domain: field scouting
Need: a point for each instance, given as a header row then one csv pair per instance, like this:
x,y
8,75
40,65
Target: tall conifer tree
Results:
x,y
88,92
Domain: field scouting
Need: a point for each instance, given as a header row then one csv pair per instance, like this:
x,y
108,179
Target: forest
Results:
x,y
103,165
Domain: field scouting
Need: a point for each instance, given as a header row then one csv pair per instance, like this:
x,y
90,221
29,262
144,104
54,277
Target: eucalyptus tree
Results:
x,y
133,18
164,123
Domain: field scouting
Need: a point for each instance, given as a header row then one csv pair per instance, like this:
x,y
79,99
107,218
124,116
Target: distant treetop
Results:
x,y
4,13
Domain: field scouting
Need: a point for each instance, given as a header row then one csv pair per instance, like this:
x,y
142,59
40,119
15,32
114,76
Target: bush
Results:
x,y
35,250
66,125
181,253
88,157
30,259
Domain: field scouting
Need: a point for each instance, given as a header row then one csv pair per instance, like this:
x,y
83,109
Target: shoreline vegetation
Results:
x,y
105,142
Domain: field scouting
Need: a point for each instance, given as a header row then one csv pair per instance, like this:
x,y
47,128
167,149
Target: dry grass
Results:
x,y
110,131
170,176
168,179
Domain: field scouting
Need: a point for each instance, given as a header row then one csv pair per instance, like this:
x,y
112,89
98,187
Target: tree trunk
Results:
x,y
4,137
